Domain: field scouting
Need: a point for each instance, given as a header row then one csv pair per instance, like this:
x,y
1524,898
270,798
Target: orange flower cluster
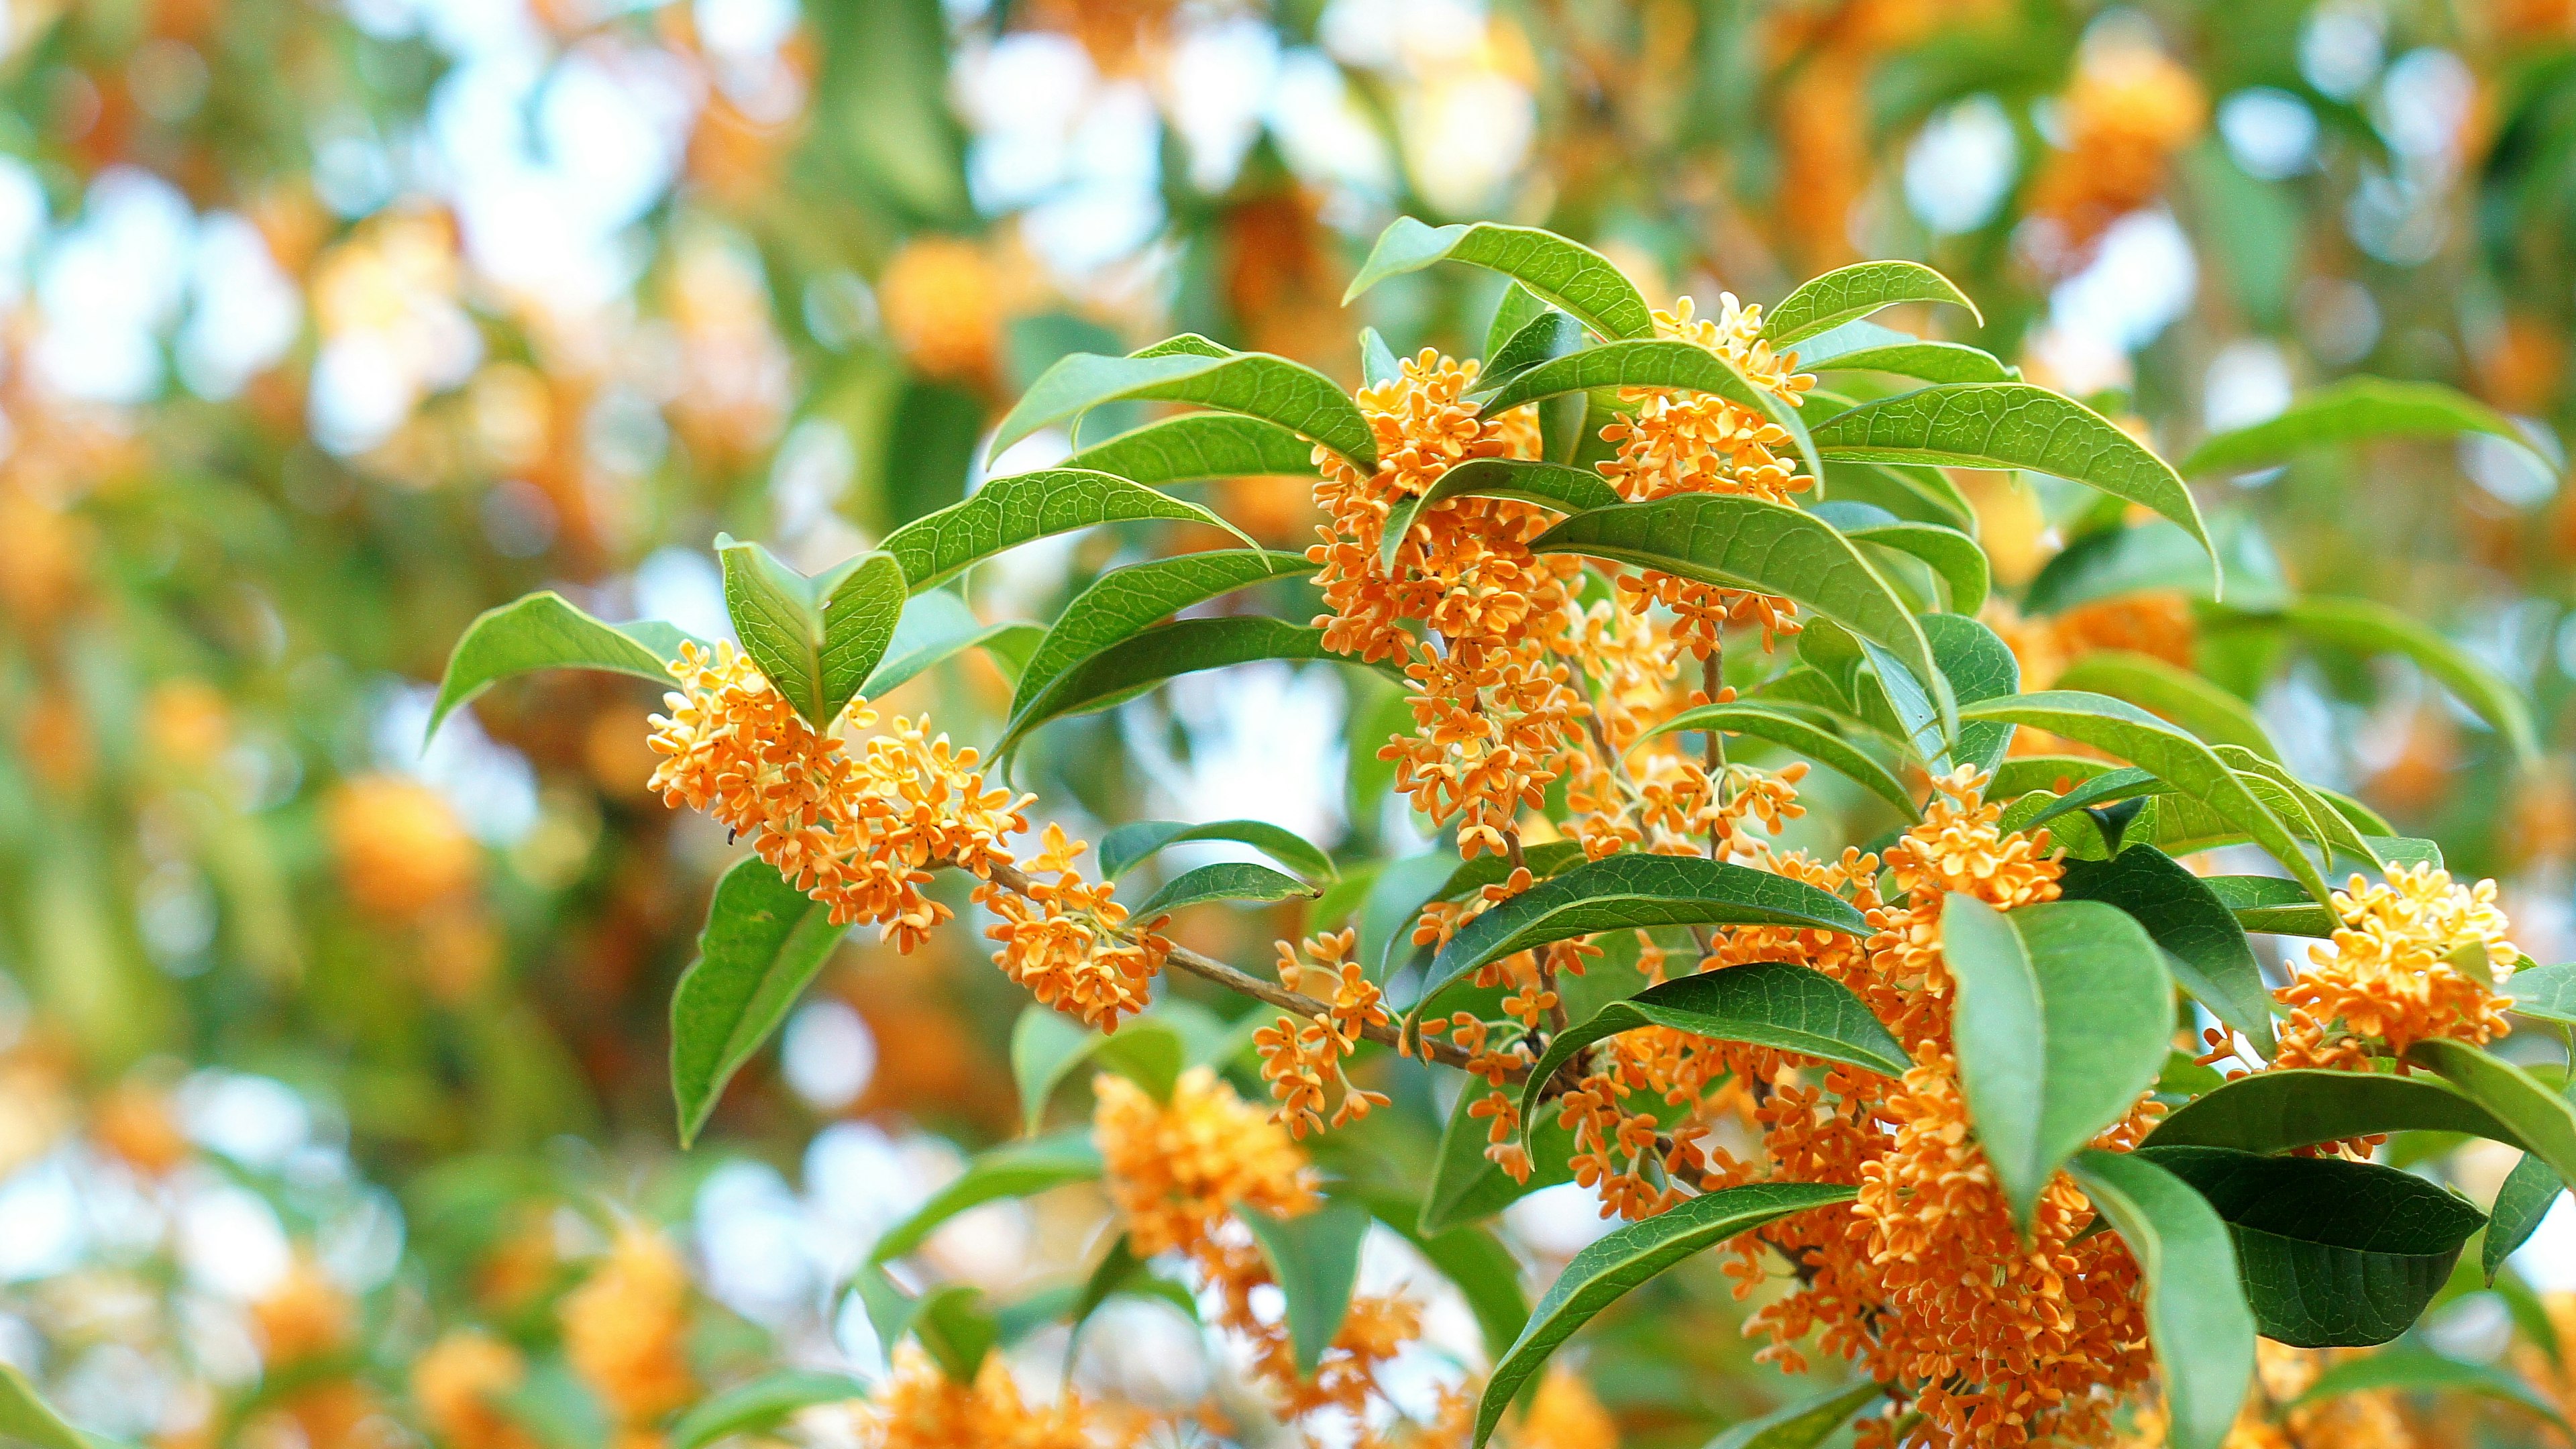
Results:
x,y
2414,959
626,1329
399,849
862,833
455,1383
919,1407
943,300
2127,114
1300,1061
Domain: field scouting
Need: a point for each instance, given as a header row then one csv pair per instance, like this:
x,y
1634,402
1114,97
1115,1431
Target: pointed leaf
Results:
x,y
2065,1015
1778,1004
2217,717
861,613
2284,1109
760,1405
780,622
1193,370
1014,1169
763,942
1604,1272
1979,666
2197,1318
1517,308
1122,601
2354,410
1568,274
1802,1425
2271,905
936,627
1930,361
2011,425
1466,1186
1198,446
1315,1258
1010,511
1121,849
2544,1121
2416,1370
1953,555
1552,485
2546,992
1227,880
2529,1192
1668,365
544,631
2372,628
1548,336
2205,947
1852,292
1149,657
1377,361
1790,732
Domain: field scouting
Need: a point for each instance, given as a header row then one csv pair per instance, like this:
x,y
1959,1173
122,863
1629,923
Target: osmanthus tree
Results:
x,y
1998,1106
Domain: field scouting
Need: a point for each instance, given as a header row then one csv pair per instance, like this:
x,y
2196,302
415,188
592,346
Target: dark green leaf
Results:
x,y
1467,1187
1517,308
1315,1259
1802,1425
2542,1120
1194,370
764,940
1123,847
1790,732
1014,1169
2197,1318
1148,657
1010,511
1979,665
760,1405
1227,880
543,631
2283,1109
1574,277
1567,490
2529,1192
2205,946
2353,410
1547,337
2064,1018
1847,293
1604,1272
1124,600
1197,446
1675,366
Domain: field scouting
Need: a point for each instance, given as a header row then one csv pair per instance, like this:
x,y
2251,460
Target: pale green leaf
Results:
x,y
27,1418
1848,293
763,942
2373,628
1802,1425
544,631
1226,880
1014,1169
2355,410
2416,1370
2152,684
1194,370
1314,1257
1009,511
2529,1192
779,619
1122,848
2197,1318
2289,1108
861,612
1929,361
760,1405
1568,274
1198,446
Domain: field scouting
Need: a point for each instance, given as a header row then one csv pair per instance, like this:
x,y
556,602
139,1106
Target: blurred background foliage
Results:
x,y
329,323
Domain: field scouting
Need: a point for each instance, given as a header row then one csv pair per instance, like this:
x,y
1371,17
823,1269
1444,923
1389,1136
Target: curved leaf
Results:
x,y
1467,1187
2543,1121
1315,1259
2204,945
2418,1370
2162,750
1622,891
778,616
1802,1425
1047,1047
1979,665
2269,904
936,627
2012,425
1855,291
1953,555
862,607
1227,880
1779,1004
764,1403
1670,365
1122,848
1014,1169
2529,1192
1790,732
2282,1109
1573,276
1544,338
1148,657
2197,1318
1553,485
2372,628
26,1417
1930,361
544,631
1009,511
1194,370
2333,1254
763,942
1748,543
1124,600
2064,1018
1377,361
1604,1272
2353,410
1198,446
2547,992
2217,717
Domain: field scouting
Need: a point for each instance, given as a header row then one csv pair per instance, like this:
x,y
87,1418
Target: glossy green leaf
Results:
x,y
1315,1259
2372,628
1148,657
1567,490
1802,1425
1635,890
2546,992
1847,293
1604,1272
2355,410
1979,666
2336,835
2197,1318
2542,1120
1122,848
1955,557
544,631
2022,774
1195,447
1925,488
2011,425
1014,1169
1742,542
2284,1109
2528,1193
1550,335
2331,1253
2417,1370
862,610
760,1405
1779,1004
1568,274
1676,366
763,942
1226,880
1467,1187
1515,309
1194,370
2204,945
1124,600
2064,1017
2271,905
27,1418
2170,754
778,616
2217,717
1929,361
1792,733
1009,511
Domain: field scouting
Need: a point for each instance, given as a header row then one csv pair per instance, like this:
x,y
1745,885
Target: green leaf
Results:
x,y
1121,849
2416,1370
2529,1192
1957,558
1779,1004
1485,1272
1148,657
1925,488
1668,365
2064,1018
1604,1272
861,614
1802,1425
1014,1169
1010,511
2217,717
2152,557
26,1417
1124,600
760,1405
2546,992
1315,1259
2372,628
2204,945
2011,425
543,631
763,942
1193,370
1930,361
1568,274
1552,485
2283,1109
1848,293
2197,1318
1121,1271
1198,446
2336,835
2269,904
2354,410
2168,753
1622,891
2542,1120
955,1330
1979,666
1517,308
1790,732
937,627
1548,336
1467,1187
2332,1254
1377,361
1047,1047
1748,543
2022,774
1226,880
778,616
